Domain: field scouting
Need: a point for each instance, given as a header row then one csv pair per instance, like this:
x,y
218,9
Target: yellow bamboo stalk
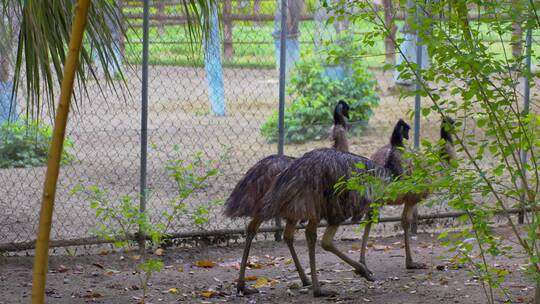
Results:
x,y
55,153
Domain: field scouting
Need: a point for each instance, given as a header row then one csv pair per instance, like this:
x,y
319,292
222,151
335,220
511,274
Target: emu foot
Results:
x,y
415,265
306,282
366,273
241,289
324,293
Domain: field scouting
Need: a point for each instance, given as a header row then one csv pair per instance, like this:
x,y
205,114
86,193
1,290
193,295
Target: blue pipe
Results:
x,y
213,66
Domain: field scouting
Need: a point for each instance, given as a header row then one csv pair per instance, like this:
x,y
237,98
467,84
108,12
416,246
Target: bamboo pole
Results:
x,y
55,153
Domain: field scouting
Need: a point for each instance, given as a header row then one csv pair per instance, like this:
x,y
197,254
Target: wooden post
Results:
x,y
228,50
390,47
55,153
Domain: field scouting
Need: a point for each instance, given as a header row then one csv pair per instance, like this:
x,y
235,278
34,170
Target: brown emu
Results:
x,y
245,199
305,191
409,200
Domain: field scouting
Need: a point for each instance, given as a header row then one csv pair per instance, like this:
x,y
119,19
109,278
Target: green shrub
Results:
x,y
315,95
26,144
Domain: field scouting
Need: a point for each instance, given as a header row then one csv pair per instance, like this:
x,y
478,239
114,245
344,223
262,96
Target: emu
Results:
x,y
305,191
409,200
245,199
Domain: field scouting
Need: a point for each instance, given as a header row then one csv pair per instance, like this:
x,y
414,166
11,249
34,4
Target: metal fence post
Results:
x,y
282,70
144,123
526,100
417,101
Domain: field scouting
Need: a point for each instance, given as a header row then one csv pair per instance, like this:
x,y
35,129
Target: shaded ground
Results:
x,y
109,278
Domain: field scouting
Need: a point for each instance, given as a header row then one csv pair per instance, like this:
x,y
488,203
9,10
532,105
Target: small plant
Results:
x,y
26,144
190,177
315,94
120,220
118,223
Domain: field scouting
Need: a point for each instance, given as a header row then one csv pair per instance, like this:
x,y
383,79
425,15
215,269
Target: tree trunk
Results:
x,y
295,8
389,41
161,11
537,293
517,30
341,25
517,35
8,102
55,153
122,39
257,10
228,50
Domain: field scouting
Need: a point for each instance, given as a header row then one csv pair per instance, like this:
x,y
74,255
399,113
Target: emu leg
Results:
x,y
406,220
311,238
288,235
328,245
365,238
251,230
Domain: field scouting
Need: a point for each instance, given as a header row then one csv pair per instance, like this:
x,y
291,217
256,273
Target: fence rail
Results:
x,y
227,233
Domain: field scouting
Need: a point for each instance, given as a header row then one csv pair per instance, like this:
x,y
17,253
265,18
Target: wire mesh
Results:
x,y
183,120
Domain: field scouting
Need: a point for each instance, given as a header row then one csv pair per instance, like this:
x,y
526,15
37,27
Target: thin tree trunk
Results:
x,y
517,35
55,153
517,31
257,10
122,40
161,12
537,293
228,50
390,47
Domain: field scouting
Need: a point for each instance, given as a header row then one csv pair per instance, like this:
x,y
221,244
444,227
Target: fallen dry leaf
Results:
x,y
136,257
159,252
382,248
180,268
209,294
62,268
261,282
254,265
92,295
356,247
205,264
251,278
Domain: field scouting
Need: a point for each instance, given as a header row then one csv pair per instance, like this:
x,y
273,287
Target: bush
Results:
x,y
309,116
26,144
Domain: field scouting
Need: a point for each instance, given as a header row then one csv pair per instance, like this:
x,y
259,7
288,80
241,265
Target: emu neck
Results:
x,y
446,136
397,139
339,136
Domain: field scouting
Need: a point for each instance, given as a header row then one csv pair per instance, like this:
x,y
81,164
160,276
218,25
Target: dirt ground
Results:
x,y
109,277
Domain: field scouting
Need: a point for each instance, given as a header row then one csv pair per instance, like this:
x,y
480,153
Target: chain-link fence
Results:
x,y
224,106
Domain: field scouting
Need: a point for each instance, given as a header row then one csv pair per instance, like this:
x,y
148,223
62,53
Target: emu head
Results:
x,y
447,128
401,131
341,111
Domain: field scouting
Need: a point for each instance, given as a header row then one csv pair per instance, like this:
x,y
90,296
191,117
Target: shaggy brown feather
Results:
x,y
305,190
244,199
